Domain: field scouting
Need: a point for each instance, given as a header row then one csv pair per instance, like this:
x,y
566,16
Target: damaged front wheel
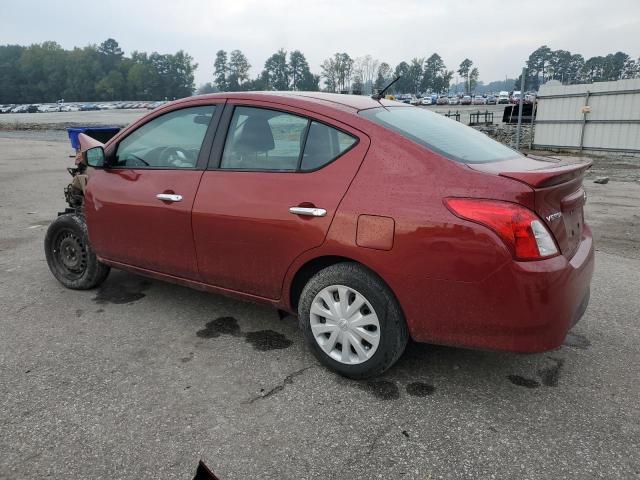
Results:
x,y
70,256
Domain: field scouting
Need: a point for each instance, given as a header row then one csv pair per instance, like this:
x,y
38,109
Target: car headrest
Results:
x,y
256,136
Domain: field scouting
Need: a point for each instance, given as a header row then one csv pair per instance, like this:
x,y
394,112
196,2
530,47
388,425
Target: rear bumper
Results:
x,y
522,307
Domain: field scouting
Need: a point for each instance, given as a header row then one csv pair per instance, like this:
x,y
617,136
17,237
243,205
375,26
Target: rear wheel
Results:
x,y
70,256
351,321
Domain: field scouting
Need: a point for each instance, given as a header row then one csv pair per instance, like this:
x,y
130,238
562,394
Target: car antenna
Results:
x,y
378,96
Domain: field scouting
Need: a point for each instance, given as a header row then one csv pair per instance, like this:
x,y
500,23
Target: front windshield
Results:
x,y
440,134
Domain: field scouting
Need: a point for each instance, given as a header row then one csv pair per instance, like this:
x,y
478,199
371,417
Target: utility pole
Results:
x,y
524,72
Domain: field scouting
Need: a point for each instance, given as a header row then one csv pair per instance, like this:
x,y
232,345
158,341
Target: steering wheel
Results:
x,y
175,156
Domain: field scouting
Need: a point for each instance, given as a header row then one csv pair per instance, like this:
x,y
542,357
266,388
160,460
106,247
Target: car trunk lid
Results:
x,y
559,196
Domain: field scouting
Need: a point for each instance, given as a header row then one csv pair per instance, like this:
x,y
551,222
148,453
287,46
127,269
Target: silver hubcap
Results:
x,y
344,324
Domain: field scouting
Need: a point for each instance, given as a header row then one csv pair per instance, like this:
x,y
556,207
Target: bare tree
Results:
x,y
367,68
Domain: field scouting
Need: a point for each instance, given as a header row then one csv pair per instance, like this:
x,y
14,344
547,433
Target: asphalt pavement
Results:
x,y
141,379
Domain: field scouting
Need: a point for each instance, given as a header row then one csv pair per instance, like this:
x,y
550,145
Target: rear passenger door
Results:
x,y
272,188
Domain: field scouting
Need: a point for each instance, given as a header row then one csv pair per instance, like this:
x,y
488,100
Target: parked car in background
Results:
x,y
492,100
503,97
530,98
48,108
153,105
454,100
442,100
89,107
479,100
425,100
515,96
414,101
317,205
466,100
6,108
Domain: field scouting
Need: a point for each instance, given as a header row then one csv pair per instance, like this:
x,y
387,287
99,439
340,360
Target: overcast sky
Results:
x,y
485,31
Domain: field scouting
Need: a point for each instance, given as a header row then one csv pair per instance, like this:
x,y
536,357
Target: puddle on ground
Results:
x,y
577,341
523,382
381,389
262,340
550,375
265,340
420,389
220,326
121,293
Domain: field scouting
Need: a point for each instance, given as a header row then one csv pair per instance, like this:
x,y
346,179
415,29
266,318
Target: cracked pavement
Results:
x,y
141,379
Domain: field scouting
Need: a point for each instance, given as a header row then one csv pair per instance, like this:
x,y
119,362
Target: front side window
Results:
x,y
261,139
440,134
172,140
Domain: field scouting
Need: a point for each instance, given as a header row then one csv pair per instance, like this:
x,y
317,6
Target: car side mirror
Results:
x,y
94,157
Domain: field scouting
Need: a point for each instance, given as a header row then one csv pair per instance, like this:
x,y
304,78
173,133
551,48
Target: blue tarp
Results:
x,y
102,134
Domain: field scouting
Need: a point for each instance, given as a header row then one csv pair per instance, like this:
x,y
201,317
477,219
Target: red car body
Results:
x,y
386,201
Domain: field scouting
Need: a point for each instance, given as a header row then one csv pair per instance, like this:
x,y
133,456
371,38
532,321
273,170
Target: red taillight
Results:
x,y
519,228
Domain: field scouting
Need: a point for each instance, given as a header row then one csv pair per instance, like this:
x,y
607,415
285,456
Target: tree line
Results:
x,y
569,68
339,73
282,71
46,73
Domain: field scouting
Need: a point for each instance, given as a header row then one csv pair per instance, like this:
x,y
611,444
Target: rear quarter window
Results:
x,y
324,144
440,134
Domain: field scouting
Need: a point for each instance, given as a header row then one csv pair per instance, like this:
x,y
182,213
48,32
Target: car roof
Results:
x,y
351,103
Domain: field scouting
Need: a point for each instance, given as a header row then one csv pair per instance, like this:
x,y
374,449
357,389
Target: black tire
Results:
x,y
393,328
70,256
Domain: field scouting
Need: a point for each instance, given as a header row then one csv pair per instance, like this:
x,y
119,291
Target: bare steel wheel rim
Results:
x,y
344,324
70,255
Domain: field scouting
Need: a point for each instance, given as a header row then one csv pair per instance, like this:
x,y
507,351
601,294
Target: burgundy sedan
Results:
x,y
372,220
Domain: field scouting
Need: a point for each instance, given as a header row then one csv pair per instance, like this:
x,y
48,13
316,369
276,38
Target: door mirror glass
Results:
x,y
94,157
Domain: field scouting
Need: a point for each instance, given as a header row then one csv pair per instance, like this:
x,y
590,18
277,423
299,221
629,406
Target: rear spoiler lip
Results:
x,y
549,177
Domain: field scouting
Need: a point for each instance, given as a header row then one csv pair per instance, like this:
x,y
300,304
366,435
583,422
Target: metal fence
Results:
x,y
598,116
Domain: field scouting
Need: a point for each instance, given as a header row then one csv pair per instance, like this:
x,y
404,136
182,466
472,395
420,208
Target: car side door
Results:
x,y
138,206
273,185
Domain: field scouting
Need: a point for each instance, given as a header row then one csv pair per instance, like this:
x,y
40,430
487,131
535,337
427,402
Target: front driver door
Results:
x,y
138,208
273,161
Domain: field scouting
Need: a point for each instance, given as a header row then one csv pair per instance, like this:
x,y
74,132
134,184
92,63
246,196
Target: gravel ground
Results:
x,y
63,120
140,379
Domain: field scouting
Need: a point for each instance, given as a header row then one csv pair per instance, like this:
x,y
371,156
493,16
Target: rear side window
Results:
x,y
324,144
261,139
440,134
270,140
